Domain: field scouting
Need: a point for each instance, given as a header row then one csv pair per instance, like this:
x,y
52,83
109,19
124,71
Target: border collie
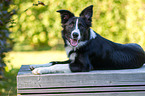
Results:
x,y
88,51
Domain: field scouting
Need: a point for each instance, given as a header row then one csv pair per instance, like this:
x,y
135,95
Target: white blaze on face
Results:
x,y
74,41
77,24
76,29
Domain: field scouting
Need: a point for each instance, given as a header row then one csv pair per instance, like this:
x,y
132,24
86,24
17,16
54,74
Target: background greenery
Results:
x,y
38,27
5,41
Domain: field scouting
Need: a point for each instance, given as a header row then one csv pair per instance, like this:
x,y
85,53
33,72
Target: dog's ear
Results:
x,y
86,14
65,15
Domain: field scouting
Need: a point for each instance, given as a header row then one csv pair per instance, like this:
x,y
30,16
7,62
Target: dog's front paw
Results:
x,y
32,67
61,68
38,71
35,71
44,70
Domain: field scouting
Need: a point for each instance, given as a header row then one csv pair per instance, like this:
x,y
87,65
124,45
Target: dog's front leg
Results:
x,y
81,64
58,68
33,66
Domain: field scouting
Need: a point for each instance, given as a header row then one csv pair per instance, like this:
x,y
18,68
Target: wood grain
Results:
x,y
119,82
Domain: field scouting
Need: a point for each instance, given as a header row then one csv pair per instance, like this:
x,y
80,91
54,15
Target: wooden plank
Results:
x,y
40,81
92,94
128,82
25,69
80,80
95,78
82,90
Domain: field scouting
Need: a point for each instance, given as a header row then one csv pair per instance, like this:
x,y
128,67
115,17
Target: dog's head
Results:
x,y
76,30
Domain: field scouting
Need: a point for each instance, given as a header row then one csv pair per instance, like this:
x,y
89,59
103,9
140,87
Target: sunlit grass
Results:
x,y
35,57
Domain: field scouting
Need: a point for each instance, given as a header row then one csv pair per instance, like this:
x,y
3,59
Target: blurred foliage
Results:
x,y
9,84
36,25
5,42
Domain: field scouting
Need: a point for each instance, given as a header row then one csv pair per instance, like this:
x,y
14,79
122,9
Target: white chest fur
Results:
x,y
68,50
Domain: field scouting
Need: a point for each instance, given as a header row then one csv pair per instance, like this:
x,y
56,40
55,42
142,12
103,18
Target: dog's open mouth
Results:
x,y
73,42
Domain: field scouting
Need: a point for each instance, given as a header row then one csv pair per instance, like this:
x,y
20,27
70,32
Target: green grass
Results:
x,y
34,57
16,59
9,84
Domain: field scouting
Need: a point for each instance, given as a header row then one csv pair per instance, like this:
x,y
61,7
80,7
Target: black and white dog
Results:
x,y
88,51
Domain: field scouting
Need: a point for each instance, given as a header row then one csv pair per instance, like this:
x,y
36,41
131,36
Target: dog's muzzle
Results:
x,y
75,36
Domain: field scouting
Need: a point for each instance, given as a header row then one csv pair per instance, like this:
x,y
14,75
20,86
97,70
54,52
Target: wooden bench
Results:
x,y
128,82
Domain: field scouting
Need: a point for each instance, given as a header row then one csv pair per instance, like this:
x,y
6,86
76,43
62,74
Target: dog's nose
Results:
x,y
75,35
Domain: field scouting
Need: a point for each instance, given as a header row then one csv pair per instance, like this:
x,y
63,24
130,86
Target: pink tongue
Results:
x,y
74,42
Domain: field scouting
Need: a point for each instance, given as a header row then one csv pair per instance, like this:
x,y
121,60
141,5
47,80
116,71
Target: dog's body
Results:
x,y
88,51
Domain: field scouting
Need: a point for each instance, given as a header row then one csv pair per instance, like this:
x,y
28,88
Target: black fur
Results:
x,y
97,53
100,53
